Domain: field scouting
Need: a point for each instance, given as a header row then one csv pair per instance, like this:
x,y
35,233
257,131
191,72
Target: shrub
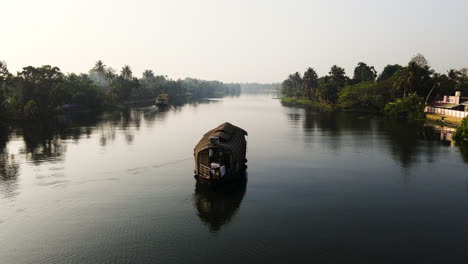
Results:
x,y
462,132
411,107
362,96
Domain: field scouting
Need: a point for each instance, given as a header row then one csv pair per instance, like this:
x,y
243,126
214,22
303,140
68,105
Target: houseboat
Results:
x,y
162,100
220,156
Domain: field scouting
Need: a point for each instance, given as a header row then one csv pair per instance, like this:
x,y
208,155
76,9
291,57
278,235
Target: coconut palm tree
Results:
x,y
148,74
99,67
454,75
310,83
437,77
109,74
406,78
126,72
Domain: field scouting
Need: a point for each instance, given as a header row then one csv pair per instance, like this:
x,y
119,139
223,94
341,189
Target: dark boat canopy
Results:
x,y
163,97
231,138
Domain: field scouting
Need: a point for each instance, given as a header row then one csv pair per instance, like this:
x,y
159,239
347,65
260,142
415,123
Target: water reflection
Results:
x,y
46,141
216,208
9,167
43,142
407,142
464,153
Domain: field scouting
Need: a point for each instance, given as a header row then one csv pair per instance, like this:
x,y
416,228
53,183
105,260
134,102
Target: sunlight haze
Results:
x,y
232,41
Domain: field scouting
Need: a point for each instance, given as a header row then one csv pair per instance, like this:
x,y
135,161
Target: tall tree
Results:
x,y
310,83
389,71
42,85
5,75
338,76
438,78
292,86
148,74
454,75
99,66
110,75
126,72
364,73
98,74
8,103
81,90
327,91
420,60
414,78
405,81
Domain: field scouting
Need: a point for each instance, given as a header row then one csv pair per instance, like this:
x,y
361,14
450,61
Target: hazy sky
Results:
x,y
232,41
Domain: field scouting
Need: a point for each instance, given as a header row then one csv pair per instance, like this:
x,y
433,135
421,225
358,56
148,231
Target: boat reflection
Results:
x,y
216,208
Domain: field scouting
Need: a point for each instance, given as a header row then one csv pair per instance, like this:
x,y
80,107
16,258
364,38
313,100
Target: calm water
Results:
x,y
321,186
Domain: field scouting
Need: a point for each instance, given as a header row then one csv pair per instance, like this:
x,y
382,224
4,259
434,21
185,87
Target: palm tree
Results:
x,y
310,83
405,81
4,73
437,77
338,76
126,72
99,67
148,74
109,74
454,75
297,82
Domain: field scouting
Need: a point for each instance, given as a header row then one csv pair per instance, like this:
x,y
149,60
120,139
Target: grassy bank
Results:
x,y
448,120
298,101
303,102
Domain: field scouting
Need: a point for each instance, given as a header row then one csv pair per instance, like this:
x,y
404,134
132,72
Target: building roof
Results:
x,y
163,96
231,138
447,105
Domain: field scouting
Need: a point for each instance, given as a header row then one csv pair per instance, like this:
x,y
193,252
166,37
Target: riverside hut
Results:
x,y
220,154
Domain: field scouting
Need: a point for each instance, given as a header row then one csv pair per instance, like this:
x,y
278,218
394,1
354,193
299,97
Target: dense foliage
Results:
x,y
392,92
410,107
461,134
366,96
39,92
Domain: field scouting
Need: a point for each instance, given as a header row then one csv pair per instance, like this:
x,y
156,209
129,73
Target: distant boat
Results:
x,y
220,155
162,100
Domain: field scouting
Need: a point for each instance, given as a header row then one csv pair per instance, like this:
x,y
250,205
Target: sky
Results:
x,y
232,41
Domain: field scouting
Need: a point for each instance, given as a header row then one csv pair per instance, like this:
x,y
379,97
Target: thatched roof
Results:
x,y
163,96
230,138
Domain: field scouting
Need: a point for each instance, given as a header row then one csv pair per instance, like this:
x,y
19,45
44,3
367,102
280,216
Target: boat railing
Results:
x,y
204,171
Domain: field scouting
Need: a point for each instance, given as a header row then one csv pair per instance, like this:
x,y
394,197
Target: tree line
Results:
x,y
397,90
36,93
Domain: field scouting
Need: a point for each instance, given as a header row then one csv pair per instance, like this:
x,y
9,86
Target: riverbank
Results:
x,y
448,120
299,101
302,102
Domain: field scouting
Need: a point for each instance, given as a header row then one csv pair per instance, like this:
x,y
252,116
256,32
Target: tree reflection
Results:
x,y
216,208
464,153
155,114
410,140
407,141
9,167
43,142
46,140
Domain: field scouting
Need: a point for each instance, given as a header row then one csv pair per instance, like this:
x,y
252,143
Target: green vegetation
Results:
x,y
411,107
399,92
38,93
461,134
298,101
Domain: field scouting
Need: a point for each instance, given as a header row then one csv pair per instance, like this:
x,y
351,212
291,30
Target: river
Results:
x,y
325,187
